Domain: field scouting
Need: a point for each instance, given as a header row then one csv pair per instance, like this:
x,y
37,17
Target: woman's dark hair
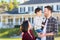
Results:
x,y
25,26
37,10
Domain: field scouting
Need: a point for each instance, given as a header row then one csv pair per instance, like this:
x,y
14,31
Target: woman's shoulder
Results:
x,y
25,34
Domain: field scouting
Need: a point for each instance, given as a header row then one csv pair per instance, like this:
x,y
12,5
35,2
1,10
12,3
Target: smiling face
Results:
x,y
46,12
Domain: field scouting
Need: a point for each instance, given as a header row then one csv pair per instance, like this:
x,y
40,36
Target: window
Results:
x,y
58,7
41,7
20,20
10,21
29,19
24,19
22,9
17,21
32,20
30,9
52,8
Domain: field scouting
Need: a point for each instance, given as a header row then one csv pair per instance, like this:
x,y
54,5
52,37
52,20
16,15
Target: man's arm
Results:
x,y
54,32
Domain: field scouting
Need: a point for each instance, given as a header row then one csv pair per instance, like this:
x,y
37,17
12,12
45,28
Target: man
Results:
x,y
38,22
52,25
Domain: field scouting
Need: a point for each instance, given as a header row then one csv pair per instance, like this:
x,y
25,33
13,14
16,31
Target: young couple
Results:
x,y
46,27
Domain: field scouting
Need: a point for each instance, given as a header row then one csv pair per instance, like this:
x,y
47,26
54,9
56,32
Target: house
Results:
x,y
30,6
25,11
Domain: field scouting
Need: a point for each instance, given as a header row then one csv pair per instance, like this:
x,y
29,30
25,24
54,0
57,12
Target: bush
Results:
x,y
17,26
6,33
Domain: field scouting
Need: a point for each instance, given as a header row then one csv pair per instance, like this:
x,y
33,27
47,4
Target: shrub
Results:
x,y
17,26
6,33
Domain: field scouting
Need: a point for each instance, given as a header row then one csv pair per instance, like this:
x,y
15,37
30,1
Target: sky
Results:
x,y
21,1
12,0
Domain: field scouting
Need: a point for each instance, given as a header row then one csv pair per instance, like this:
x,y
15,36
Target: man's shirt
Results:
x,y
52,26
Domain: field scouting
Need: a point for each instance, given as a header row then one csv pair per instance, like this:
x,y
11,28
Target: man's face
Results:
x,y
46,12
39,13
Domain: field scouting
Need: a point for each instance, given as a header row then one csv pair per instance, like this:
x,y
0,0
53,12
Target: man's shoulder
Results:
x,y
53,19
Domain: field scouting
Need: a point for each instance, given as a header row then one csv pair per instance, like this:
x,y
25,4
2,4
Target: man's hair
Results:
x,y
49,8
37,10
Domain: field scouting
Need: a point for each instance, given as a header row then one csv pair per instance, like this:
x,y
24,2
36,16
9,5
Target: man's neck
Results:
x,y
48,16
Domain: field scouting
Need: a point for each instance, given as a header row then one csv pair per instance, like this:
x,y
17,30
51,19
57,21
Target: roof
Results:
x,y
39,2
14,11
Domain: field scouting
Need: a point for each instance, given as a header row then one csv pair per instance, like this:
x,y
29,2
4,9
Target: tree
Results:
x,y
15,3
11,6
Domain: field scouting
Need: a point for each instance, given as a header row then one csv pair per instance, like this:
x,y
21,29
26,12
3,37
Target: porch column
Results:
x,y
31,19
18,9
6,20
14,20
22,19
19,21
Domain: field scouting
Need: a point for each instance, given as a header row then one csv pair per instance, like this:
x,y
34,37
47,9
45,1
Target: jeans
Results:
x,y
38,31
38,38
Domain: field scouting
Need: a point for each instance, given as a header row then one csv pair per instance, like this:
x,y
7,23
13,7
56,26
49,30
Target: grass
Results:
x,y
57,38
10,39
6,33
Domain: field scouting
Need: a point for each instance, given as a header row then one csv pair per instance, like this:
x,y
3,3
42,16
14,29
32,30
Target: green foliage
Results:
x,y
6,33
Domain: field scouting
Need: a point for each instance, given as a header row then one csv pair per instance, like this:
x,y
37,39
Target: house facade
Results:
x,y
30,6
25,11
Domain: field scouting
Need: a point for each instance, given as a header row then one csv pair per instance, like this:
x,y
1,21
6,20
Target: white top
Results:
x,y
44,30
37,22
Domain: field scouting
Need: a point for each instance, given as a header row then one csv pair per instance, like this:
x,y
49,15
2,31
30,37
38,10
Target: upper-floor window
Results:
x,y
22,9
40,7
30,9
58,7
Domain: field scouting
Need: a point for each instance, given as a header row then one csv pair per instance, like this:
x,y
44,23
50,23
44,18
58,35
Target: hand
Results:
x,y
42,35
50,34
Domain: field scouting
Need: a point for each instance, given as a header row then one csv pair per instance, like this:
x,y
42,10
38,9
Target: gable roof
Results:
x,y
39,2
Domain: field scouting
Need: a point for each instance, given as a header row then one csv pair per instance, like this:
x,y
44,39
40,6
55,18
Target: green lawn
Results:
x,y
57,38
6,33
10,39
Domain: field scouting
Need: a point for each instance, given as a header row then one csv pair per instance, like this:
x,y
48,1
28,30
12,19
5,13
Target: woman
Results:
x,y
27,32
